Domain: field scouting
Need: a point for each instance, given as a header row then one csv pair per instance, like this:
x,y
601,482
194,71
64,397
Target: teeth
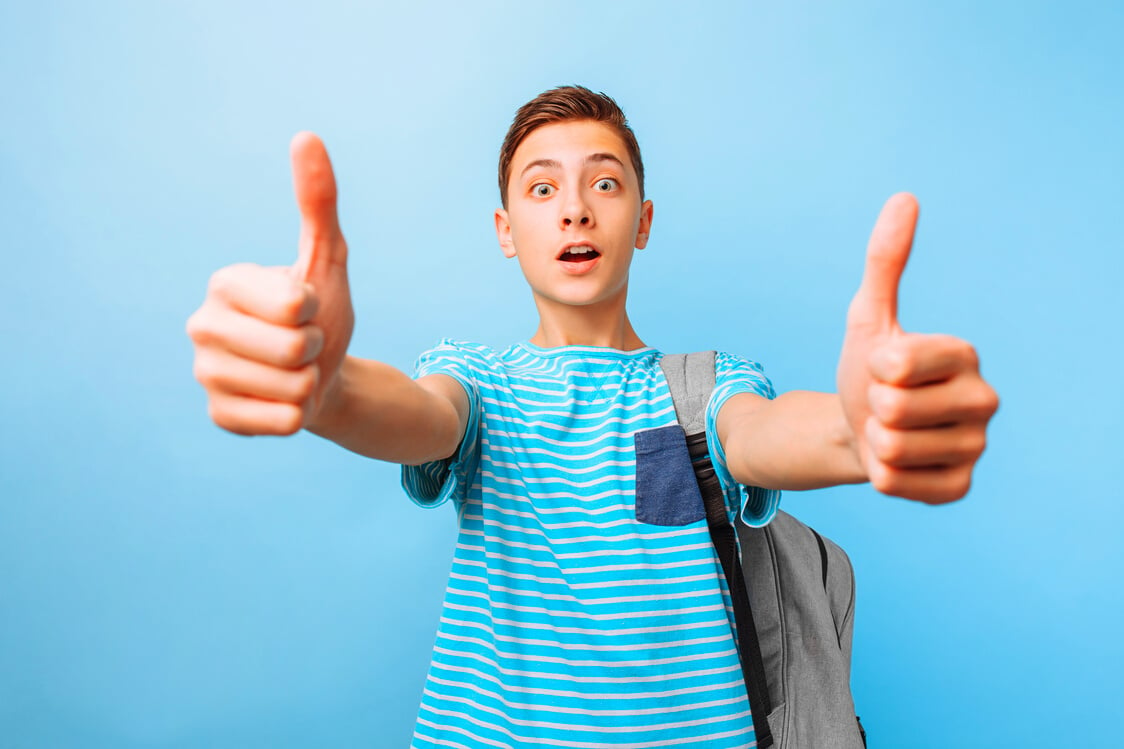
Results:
x,y
580,250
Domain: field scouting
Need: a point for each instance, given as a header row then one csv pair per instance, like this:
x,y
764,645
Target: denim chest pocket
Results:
x,y
667,492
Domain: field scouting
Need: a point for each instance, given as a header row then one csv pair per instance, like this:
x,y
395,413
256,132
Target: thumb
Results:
x,y
876,303
321,241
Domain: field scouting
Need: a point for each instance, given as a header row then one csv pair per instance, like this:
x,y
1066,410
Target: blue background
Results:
x,y
166,584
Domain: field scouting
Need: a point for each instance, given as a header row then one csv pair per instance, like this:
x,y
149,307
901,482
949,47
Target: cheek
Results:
x,y
528,238
627,216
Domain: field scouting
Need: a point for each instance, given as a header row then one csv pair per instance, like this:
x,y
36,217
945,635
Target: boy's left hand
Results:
x,y
916,403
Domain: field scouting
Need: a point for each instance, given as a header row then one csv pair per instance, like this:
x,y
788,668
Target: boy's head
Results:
x,y
565,104
574,210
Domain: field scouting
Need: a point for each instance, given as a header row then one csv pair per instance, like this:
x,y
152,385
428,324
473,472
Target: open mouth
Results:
x,y
579,254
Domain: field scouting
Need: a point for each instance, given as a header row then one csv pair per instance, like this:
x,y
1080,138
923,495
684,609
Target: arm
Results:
x,y
271,345
912,411
375,410
800,440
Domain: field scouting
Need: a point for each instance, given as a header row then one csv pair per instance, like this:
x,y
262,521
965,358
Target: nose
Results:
x,y
576,211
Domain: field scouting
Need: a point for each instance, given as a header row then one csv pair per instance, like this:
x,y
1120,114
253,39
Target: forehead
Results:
x,y
569,141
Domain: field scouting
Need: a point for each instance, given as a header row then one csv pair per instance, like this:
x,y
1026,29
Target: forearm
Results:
x,y
800,440
378,411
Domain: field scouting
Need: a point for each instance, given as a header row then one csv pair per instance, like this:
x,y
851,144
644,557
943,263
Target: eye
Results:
x,y
542,190
606,185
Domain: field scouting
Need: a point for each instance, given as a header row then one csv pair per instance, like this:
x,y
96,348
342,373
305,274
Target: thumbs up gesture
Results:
x,y
916,403
269,342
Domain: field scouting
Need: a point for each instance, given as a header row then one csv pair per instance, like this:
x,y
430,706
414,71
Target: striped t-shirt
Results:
x,y
567,622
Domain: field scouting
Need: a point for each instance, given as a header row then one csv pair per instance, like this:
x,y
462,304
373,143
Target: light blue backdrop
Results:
x,y
166,584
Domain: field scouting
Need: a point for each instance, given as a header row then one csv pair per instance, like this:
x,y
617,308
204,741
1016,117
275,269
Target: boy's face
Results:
x,y
574,213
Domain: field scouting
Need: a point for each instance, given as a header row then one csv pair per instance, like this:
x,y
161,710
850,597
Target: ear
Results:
x,y
645,228
503,233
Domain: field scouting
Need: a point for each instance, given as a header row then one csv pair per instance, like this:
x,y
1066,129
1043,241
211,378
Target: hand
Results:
x,y
916,403
269,342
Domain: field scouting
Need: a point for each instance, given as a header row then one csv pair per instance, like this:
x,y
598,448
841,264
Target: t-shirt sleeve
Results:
x,y
434,483
733,375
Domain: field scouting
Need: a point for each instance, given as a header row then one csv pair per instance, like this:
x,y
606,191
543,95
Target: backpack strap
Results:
x,y
691,381
823,556
690,377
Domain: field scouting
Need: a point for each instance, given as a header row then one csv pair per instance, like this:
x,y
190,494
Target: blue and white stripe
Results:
x,y
567,622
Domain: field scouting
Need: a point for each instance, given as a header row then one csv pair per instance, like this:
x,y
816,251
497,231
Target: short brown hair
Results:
x,y
563,104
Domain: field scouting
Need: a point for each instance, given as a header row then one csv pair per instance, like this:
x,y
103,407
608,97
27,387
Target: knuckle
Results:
x,y
294,350
306,382
221,281
954,487
894,361
893,406
293,304
940,496
221,415
970,356
191,327
990,402
981,403
216,412
889,446
909,359
911,345
883,478
288,420
977,443
215,282
226,282
958,487
199,328
894,449
204,371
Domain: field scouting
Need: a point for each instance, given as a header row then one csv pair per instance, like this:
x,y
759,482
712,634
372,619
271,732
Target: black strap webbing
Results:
x,y
724,538
823,557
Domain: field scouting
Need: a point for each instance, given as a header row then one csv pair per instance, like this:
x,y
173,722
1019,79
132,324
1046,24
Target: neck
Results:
x,y
604,324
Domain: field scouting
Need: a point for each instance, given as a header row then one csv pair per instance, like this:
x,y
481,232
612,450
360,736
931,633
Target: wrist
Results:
x,y
332,402
848,448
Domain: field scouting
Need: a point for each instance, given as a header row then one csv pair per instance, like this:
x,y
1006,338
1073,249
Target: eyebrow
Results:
x,y
593,158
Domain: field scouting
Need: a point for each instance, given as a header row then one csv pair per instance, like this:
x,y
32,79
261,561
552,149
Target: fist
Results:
x,y
916,403
269,342
929,409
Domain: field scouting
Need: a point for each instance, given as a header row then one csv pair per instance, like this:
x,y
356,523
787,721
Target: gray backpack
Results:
x,y
794,611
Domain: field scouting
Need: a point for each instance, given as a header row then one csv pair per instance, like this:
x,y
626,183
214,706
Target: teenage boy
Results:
x,y
580,611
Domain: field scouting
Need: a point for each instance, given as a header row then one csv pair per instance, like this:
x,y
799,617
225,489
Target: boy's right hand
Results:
x,y
269,342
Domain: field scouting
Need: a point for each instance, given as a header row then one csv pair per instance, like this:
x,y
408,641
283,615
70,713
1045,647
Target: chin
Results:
x,y
580,292
582,298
